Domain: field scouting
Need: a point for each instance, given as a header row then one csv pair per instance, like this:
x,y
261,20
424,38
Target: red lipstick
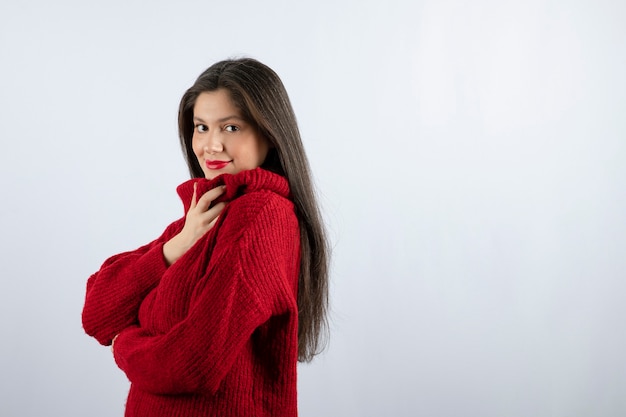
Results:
x,y
216,164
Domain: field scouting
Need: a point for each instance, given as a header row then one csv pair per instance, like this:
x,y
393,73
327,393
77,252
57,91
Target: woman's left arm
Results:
x,y
247,282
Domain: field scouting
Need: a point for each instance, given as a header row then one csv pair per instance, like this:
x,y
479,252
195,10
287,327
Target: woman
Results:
x,y
211,318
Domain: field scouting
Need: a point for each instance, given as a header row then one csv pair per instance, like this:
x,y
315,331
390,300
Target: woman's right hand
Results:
x,y
199,220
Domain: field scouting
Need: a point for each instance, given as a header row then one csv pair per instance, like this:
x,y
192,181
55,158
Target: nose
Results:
x,y
213,145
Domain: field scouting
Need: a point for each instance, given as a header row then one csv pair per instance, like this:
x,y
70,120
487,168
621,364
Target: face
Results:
x,y
223,141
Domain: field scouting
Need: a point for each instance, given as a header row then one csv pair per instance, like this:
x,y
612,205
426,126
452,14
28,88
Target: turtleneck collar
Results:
x,y
236,185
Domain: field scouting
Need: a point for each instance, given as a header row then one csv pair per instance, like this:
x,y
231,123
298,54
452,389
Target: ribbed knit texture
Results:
x,y
215,333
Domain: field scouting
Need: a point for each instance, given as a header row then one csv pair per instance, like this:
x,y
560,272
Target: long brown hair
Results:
x,y
261,97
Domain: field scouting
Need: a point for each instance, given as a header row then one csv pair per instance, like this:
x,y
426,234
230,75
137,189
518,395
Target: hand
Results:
x,y
200,219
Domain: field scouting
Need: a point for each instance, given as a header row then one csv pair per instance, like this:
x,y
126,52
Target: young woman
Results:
x,y
211,318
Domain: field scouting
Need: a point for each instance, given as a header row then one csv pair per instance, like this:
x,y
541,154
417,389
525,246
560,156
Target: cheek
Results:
x,y
197,148
262,149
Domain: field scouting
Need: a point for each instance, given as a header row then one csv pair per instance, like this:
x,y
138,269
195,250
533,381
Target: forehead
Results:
x,y
215,105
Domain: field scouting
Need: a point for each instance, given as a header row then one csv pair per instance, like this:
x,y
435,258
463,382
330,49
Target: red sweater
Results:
x,y
215,333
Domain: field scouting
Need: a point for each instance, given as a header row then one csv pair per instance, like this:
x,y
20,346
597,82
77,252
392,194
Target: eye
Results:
x,y
231,128
201,128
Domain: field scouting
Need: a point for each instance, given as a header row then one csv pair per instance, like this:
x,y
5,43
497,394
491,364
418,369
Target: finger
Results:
x,y
207,198
213,222
213,213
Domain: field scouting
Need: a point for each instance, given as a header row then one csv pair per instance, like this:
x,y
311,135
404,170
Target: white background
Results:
x,y
470,158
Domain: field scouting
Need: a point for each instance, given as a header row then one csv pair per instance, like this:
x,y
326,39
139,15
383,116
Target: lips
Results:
x,y
216,164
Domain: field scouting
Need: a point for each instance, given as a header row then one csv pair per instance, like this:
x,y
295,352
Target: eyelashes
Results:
x,y
200,128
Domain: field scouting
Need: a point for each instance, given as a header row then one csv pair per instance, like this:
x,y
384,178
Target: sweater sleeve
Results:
x,y
116,291
242,286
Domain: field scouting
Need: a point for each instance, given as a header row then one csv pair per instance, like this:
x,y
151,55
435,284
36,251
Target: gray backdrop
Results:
x,y
470,158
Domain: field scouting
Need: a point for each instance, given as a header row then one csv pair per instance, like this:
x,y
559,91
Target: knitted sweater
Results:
x,y
215,333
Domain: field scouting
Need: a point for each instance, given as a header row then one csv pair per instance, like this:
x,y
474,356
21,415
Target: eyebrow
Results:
x,y
222,120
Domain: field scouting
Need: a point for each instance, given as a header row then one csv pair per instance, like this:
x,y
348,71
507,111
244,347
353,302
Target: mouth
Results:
x,y
216,164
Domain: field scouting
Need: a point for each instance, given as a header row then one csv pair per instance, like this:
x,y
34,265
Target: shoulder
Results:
x,y
258,211
262,235
258,195
259,202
